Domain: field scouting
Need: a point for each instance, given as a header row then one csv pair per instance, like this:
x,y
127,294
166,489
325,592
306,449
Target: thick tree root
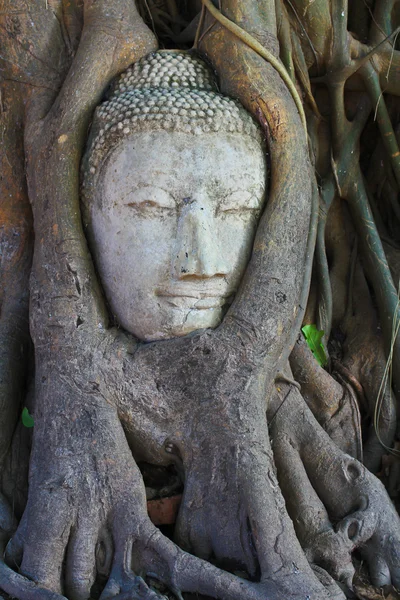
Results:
x,y
322,544
156,557
332,404
180,572
18,586
342,505
73,513
232,510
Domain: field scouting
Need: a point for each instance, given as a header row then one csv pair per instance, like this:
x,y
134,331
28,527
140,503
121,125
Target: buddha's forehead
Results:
x,y
181,162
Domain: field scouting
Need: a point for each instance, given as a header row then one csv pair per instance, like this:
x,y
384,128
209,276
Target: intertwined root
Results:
x,y
181,571
337,505
322,545
234,513
125,585
233,510
146,552
69,542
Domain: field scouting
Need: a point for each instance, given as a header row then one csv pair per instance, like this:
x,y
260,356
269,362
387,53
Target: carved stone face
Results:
x,y
172,225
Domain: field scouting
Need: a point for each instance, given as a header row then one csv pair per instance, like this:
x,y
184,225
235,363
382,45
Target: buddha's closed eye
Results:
x,y
150,198
151,207
239,202
143,203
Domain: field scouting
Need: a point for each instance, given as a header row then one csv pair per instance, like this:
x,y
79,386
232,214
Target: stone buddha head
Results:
x,y
174,182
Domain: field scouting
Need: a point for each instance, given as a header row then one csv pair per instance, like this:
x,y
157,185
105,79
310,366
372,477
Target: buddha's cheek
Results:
x,y
236,235
147,252
133,255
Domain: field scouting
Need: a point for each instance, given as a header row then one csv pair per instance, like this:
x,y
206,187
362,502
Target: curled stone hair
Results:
x,y
164,91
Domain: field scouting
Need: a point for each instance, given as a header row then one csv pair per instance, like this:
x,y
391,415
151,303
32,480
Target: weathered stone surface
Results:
x,y
172,224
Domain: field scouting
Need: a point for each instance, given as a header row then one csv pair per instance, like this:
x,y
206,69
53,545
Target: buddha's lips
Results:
x,y
197,299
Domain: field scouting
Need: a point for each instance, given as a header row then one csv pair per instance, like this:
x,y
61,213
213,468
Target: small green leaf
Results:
x,y
27,419
313,339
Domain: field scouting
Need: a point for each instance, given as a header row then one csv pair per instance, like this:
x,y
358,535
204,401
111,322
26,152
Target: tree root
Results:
x,y
180,571
157,558
321,543
81,499
342,505
333,404
18,586
364,356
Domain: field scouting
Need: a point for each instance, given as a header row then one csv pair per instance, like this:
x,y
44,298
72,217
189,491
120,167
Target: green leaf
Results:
x,y
26,418
313,339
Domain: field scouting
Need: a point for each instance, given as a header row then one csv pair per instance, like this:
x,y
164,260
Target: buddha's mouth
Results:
x,y
191,303
195,299
203,304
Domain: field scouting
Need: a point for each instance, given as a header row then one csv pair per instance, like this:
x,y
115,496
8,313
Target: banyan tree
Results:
x,y
199,298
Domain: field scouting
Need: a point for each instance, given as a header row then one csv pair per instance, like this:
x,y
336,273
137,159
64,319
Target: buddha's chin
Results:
x,y
180,322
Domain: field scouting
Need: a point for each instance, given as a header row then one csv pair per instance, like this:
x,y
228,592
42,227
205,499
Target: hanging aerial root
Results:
x,y
250,41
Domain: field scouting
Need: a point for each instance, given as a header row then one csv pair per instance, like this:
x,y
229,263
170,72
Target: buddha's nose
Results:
x,y
198,252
